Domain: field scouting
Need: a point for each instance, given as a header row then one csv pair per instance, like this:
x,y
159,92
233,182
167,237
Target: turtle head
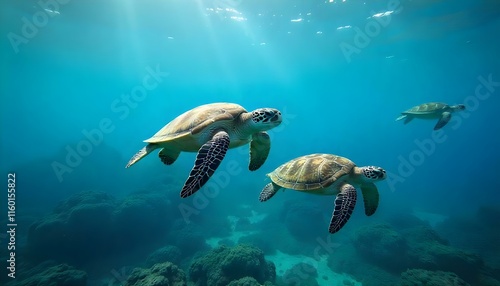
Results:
x,y
266,118
458,107
372,173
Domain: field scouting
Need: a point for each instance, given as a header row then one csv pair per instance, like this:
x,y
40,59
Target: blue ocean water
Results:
x,y
84,82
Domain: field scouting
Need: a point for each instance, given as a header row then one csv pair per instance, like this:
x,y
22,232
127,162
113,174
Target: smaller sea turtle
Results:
x,y
210,130
325,174
431,110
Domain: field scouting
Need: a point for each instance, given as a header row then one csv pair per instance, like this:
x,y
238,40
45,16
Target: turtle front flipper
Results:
x,y
445,118
370,197
344,205
167,156
141,154
268,192
208,159
259,150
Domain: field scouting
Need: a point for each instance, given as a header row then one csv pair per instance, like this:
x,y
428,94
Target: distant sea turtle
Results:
x,y
210,130
431,110
325,174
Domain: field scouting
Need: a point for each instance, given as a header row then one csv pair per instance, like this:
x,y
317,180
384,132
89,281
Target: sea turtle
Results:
x,y
326,174
431,110
210,130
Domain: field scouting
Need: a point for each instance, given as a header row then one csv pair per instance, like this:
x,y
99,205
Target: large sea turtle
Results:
x,y
325,174
431,110
210,130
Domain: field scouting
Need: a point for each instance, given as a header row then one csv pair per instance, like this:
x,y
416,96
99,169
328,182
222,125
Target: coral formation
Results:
x,y
429,251
162,274
58,275
418,277
479,232
416,247
93,224
381,245
222,265
245,281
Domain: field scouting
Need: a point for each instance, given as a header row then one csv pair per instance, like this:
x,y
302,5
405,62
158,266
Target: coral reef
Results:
x,y
58,275
74,229
479,233
415,247
429,251
247,281
167,253
222,265
381,245
93,224
162,274
418,277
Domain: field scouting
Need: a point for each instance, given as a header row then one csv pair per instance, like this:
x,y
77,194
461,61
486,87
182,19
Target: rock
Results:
x,y
161,274
224,264
91,225
59,275
381,245
420,277
245,281
429,251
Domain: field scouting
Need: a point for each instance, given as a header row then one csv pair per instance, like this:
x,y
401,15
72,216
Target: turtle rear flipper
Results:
x,y
208,159
406,117
268,192
401,117
370,197
259,150
344,205
445,118
168,156
141,154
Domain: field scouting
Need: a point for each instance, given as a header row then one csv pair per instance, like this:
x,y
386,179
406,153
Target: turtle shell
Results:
x,y
427,108
311,172
195,120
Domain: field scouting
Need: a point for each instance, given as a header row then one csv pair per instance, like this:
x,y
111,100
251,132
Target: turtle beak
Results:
x,y
381,174
277,118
